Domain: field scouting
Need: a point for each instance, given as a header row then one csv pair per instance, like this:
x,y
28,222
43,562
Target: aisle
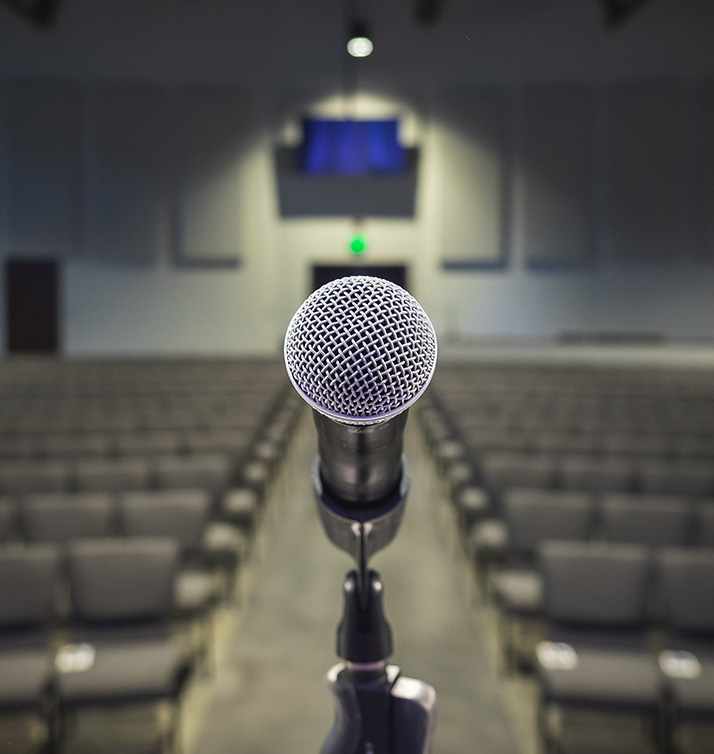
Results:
x,y
270,696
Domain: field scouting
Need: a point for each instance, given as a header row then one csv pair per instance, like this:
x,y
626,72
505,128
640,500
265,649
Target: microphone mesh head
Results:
x,y
360,350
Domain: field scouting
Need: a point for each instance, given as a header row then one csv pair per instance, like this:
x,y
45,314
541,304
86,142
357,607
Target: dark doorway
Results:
x,y
322,274
31,304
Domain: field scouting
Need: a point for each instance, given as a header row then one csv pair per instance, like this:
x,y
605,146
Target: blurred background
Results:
x,y
176,176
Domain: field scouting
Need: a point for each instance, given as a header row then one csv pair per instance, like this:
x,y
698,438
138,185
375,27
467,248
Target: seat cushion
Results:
x,y
240,505
24,676
223,544
126,672
695,696
195,592
519,592
602,678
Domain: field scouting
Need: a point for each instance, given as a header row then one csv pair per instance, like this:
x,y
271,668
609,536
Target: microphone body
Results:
x,y
360,350
360,464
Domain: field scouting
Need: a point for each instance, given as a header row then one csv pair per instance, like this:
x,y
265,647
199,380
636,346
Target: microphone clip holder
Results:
x,y
361,531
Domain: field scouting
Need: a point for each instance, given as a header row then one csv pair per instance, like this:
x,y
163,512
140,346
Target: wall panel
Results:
x,y
647,171
558,175
125,180
43,143
703,204
212,133
474,181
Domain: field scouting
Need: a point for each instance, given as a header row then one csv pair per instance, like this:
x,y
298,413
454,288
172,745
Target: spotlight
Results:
x,y
359,45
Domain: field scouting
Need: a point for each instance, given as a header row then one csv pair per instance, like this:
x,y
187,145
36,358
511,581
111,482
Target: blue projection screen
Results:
x,y
351,147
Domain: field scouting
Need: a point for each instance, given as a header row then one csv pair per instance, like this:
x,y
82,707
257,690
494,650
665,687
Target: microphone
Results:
x,y
360,350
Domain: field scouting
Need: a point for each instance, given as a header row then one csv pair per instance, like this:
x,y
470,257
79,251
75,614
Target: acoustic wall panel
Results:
x,y
212,130
647,166
703,194
474,182
558,176
43,122
125,180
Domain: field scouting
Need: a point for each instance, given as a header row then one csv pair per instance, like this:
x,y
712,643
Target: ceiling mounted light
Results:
x,y
359,44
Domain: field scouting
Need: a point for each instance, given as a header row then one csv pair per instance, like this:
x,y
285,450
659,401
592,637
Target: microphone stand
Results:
x,y
377,711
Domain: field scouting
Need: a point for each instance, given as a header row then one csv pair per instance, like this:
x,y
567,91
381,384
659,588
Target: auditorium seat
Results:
x,y
704,523
596,473
231,442
255,475
25,476
113,474
501,470
635,444
28,582
653,520
19,446
147,443
122,596
75,445
472,505
240,506
596,612
532,517
181,514
208,471
8,519
562,441
62,516
677,477
687,579
268,452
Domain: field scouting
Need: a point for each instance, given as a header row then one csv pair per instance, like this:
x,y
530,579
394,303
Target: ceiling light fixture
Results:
x,y
359,44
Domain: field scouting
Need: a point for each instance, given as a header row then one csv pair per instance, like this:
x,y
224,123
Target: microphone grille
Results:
x,y
360,350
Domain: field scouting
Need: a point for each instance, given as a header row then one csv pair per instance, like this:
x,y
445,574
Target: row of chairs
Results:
x,y
580,471
578,398
532,515
599,653
58,517
25,419
76,396
571,468
116,646
48,445
603,460
505,550
113,504
214,471
211,546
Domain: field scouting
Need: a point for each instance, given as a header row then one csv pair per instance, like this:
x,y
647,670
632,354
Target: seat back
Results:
x,y
113,474
595,589
686,578
65,516
182,514
677,477
704,524
501,470
28,582
533,516
209,471
653,520
122,579
597,473
28,476
8,513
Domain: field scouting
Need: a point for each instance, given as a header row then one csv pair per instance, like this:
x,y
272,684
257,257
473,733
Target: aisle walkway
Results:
x,y
270,696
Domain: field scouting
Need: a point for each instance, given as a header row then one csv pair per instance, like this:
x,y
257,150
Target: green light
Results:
x,y
357,243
